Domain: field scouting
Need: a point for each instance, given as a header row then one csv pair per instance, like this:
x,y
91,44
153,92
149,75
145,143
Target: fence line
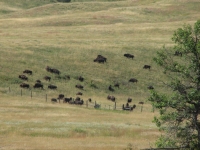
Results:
x,y
86,103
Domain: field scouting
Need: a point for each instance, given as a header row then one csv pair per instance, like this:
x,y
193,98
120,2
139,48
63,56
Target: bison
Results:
x,y
90,100
102,57
28,72
79,93
66,100
116,85
24,85
38,85
38,81
112,98
53,87
129,100
133,80
47,78
79,86
61,96
150,87
54,100
23,77
52,70
99,60
81,78
129,56
147,67
111,89
141,103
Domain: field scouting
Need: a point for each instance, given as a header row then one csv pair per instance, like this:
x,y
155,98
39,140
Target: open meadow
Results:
x,y
69,36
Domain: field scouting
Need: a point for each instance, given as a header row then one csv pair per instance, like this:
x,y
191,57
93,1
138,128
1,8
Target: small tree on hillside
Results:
x,y
179,111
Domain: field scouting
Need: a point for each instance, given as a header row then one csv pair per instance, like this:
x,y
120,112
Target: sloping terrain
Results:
x,y
68,37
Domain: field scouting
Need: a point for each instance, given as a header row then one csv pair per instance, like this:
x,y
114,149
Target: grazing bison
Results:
x,y
24,85
38,81
79,86
133,80
147,67
116,85
99,60
38,85
111,89
141,103
53,87
129,56
129,100
79,93
80,102
54,100
61,96
66,100
23,77
80,78
47,78
90,100
52,70
177,53
150,87
28,72
112,98
102,57
77,99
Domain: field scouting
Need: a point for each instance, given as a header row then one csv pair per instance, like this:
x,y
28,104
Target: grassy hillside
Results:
x,y
69,36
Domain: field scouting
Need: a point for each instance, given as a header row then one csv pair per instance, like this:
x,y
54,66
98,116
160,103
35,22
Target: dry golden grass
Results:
x,y
69,36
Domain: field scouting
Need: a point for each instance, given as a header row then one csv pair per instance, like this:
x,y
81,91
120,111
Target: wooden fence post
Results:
x,y
46,97
115,106
9,89
31,95
87,103
21,92
141,108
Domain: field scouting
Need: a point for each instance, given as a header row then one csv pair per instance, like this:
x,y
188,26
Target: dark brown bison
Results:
x,y
116,85
79,86
177,53
133,80
47,78
24,85
90,100
141,103
81,102
102,57
81,78
52,70
150,87
28,72
111,89
61,96
54,100
129,100
129,56
112,98
147,67
53,87
38,85
79,93
66,100
23,77
38,81
77,99
99,60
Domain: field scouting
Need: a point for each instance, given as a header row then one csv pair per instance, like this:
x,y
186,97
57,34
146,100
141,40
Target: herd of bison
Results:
x,y
78,100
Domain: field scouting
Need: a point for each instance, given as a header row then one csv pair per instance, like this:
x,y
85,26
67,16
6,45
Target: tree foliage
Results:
x,y
179,111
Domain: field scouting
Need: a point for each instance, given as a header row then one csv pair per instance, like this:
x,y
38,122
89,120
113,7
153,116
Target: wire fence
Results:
x,y
88,104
